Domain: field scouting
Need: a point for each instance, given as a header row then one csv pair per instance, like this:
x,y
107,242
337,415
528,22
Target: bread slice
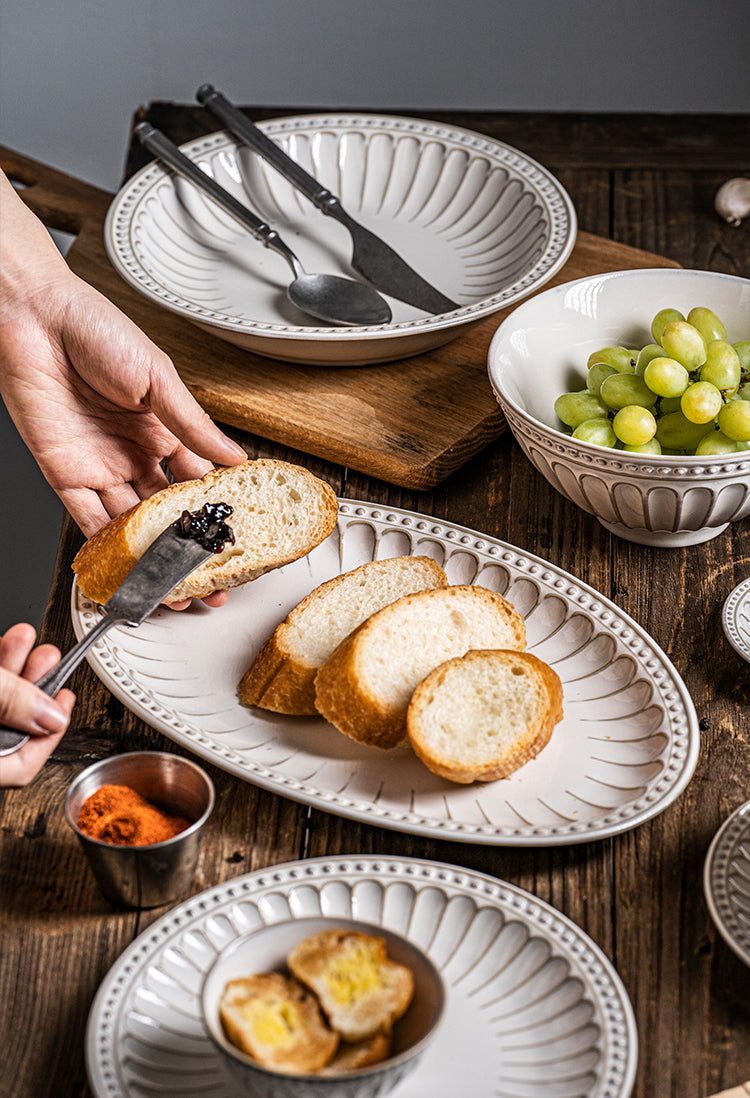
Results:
x,y
362,1054
282,676
365,686
362,992
277,1021
280,512
483,715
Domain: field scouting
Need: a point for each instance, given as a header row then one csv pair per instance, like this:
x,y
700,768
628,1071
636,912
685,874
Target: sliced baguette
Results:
x,y
365,686
282,676
362,1054
278,1022
361,991
483,715
280,512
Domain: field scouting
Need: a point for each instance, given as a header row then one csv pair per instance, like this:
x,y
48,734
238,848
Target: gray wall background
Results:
x,y
72,72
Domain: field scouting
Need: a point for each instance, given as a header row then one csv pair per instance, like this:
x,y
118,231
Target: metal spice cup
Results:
x,y
161,873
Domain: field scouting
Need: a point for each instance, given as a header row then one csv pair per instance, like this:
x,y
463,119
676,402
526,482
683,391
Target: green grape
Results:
x,y
675,432
634,425
734,420
743,350
597,431
666,378
743,393
684,343
701,402
619,390
669,404
619,357
722,367
648,354
650,447
660,321
574,408
707,323
716,442
596,376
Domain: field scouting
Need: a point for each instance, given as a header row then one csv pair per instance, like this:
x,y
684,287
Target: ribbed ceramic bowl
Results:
x,y
541,350
480,220
266,950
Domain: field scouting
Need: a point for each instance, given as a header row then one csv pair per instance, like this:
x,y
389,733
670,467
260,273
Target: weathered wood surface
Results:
x,y
646,182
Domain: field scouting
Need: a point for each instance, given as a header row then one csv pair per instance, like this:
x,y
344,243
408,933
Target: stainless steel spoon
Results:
x,y
332,298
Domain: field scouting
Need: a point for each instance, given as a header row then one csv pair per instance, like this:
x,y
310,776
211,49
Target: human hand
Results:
x,y
98,404
25,707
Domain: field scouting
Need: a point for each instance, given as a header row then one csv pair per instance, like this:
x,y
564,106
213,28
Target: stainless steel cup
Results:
x,y
161,873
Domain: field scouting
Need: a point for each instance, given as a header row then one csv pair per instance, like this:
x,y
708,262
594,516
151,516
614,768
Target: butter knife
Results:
x,y
371,257
166,562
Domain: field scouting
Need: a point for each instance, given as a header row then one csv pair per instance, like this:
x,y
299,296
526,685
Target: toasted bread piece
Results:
x,y
282,676
362,1054
483,715
277,1021
365,686
280,512
361,991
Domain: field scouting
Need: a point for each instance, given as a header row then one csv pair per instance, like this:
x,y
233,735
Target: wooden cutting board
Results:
x,y
410,423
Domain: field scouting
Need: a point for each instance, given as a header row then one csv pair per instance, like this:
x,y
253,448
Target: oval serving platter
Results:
x,y
534,1007
626,748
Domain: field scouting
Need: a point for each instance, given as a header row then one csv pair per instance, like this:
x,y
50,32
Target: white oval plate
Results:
x,y
735,619
484,223
626,748
534,1007
726,881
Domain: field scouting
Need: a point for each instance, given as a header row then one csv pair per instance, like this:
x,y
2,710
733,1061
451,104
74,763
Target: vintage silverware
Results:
x,y
328,297
371,257
166,562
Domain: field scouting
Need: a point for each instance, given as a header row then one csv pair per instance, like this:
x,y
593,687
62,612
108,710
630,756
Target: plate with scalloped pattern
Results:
x,y
735,619
534,1008
726,881
626,748
478,218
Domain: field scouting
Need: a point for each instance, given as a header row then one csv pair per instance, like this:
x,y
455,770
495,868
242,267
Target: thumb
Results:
x,y
23,706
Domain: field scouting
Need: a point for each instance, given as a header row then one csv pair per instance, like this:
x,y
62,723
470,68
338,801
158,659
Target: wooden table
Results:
x,y
647,182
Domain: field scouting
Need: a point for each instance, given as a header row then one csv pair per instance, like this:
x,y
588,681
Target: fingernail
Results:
x,y
238,450
48,717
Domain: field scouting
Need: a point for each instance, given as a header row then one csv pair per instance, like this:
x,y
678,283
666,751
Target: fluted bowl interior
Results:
x,y
540,351
265,950
479,219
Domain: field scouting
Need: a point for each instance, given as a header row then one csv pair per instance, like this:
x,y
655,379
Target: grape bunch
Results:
x,y
688,392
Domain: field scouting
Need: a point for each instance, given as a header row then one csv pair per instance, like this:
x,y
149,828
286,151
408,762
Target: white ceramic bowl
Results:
x,y
540,351
266,950
480,220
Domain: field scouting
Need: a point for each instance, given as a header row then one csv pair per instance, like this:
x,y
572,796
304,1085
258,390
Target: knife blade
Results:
x,y
166,562
371,257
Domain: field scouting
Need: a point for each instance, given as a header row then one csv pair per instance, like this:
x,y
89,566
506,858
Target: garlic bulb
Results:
x,y
732,201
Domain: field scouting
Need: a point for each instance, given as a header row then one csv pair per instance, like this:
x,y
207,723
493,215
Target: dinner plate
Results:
x,y
735,619
481,220
726,881
534,1008
625,749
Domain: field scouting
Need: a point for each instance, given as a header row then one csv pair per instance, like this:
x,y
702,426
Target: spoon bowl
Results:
x,y
330,298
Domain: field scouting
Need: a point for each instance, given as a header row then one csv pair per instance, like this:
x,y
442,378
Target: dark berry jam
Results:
x,y
207,526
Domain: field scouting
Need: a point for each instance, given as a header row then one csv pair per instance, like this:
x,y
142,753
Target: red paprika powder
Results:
x,y
117,814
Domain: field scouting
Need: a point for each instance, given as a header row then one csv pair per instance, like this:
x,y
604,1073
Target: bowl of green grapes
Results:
x,y
630,392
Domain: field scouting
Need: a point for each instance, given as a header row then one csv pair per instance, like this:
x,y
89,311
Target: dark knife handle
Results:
x,y
241,126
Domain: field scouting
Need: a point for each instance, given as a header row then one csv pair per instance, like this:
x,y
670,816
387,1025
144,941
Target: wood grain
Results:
x,y
647,183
